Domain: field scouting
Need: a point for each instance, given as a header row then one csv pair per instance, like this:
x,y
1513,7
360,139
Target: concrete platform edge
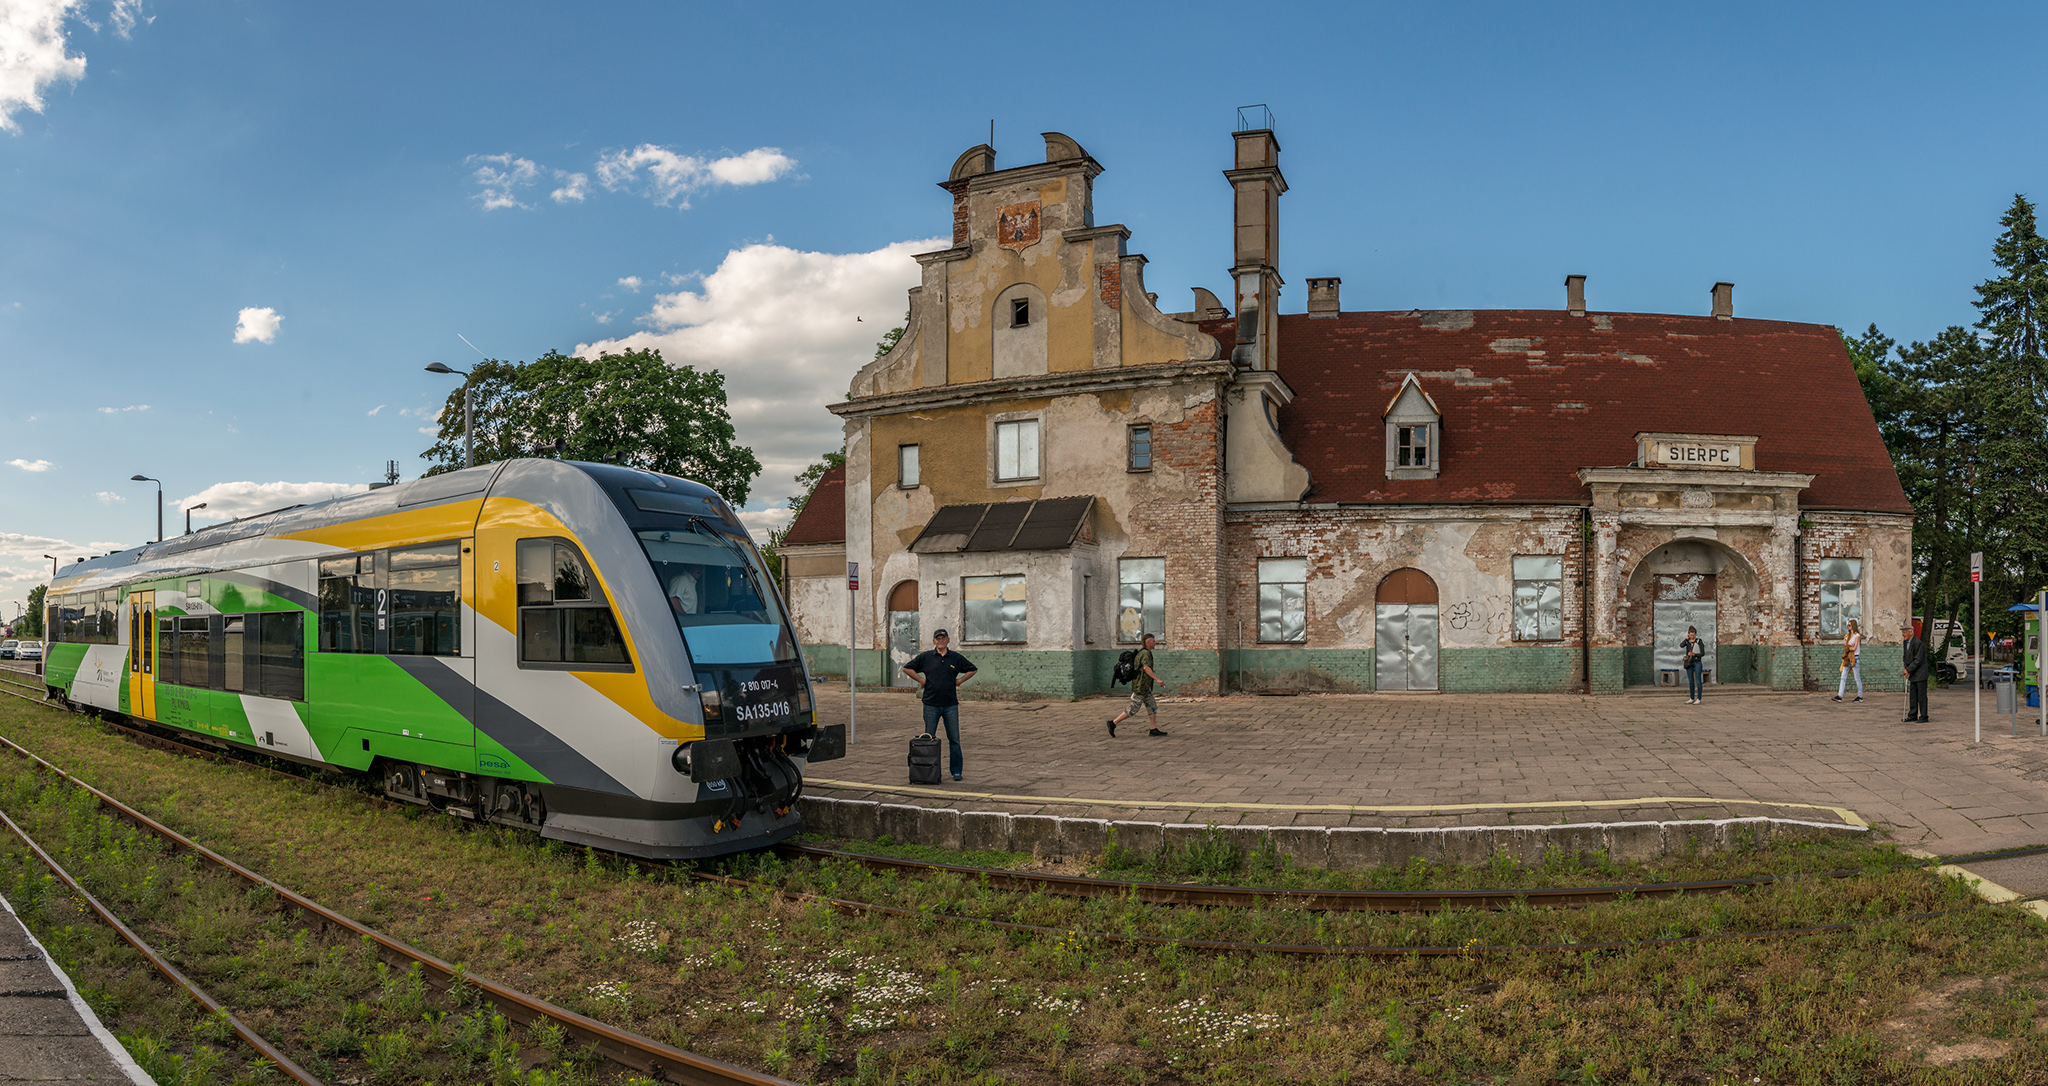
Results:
x,y
100,1032
1064,838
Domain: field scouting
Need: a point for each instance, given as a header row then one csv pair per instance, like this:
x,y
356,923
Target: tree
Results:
x,y
2013,308
632,409
31,624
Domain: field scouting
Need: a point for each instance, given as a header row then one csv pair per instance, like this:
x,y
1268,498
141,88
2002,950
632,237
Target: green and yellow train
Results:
x,y
590,651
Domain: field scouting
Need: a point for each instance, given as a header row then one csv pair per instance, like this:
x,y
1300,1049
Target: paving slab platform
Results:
x,y
47,1033
1469,761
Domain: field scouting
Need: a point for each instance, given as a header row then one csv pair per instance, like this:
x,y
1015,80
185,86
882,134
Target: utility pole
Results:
x,y
852,647
1977,640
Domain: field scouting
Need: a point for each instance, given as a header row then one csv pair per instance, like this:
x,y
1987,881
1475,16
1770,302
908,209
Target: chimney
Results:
x,y
1322,298
1256,185
1575,295
1724,301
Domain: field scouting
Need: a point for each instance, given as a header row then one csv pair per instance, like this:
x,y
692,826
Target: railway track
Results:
x,y
1179,894
630,1050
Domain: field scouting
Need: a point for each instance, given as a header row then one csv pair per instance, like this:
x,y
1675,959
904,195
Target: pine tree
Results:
x,y
2014,309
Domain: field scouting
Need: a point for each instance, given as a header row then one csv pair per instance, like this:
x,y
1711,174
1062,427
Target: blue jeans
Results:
x,y
951,715
1855,668
1693,673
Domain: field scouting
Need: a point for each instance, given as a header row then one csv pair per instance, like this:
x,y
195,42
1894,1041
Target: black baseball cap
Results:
x,y
941,633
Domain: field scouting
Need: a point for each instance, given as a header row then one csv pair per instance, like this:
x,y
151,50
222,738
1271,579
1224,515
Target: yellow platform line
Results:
x,y
1848,816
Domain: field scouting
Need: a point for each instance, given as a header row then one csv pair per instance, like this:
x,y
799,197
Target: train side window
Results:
x,y
348,603
232,652
279,656
564,619
425,601
167,650
191,649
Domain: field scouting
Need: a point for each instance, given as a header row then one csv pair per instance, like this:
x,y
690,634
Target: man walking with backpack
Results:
x,y
1142,678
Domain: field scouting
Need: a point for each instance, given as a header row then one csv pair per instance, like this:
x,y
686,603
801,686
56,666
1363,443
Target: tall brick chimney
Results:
x,y
1322,298
1255,269
1575,295
1724,301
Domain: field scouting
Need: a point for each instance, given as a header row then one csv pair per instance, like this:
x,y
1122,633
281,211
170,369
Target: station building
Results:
x,y
1049,465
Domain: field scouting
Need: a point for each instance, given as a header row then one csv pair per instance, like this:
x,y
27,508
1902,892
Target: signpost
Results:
x,y
1977,639
852,648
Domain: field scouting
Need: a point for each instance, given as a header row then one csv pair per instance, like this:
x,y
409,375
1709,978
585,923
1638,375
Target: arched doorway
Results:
x,y
905,640
1694,582
1406,632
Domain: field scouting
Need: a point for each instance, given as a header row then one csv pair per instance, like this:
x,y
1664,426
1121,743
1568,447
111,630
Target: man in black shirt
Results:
x,y
940,672
1915,652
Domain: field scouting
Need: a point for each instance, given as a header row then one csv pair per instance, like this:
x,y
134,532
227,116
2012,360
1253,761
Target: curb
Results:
x,y
1056,837
1985,888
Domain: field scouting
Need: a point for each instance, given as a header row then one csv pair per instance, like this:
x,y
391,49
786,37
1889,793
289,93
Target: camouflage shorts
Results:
x,y
1142,703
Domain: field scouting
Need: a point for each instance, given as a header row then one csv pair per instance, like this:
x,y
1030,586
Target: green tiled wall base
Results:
x,y
1737,663
1032,673
1543,669
1291,669
1609,669
1881,665
1639,668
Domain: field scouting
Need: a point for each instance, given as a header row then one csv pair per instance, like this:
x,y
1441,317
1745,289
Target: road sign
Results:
x,y
853,576
1976,566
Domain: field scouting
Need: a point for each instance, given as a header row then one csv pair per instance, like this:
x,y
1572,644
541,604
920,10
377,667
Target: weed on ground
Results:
x,y
759,980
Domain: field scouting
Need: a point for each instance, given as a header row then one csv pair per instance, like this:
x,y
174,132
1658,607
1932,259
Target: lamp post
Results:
x,y
188,516
468,433
159,502
53,566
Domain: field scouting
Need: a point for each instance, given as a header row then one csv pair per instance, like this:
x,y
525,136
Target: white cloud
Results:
x,y
255,325
118,410
779,323
225,500
631,282
110,497
669,178
761,523
376,409
22,565
605,318
575,186
31,465
32,55
500,177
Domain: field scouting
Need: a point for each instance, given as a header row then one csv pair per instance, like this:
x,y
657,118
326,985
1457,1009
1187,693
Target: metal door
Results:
x,y
903,646
1406,649
1668,620
142,655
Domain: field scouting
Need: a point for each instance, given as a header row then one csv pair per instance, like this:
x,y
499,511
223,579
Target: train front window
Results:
x,y
720,595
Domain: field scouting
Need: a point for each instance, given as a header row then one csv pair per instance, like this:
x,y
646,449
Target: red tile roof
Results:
x,y
1530,396
823,519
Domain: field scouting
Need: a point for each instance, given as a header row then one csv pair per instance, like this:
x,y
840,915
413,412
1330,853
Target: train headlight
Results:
x,y
682,759
803,697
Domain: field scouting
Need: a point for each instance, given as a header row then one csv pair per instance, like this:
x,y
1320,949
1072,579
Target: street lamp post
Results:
x,y
468,430
159,502
53,566
188,516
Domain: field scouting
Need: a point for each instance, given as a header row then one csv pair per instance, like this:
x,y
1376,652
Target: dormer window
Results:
x,y
1020,312
1413,446
1414,433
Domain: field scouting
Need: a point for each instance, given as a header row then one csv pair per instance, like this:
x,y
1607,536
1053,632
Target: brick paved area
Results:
x,y
1927,785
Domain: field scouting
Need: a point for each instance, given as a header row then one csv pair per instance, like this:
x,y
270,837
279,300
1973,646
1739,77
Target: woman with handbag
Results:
x,y
1694,652
1852,663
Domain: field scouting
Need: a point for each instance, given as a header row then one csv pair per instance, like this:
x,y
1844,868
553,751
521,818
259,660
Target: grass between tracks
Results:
x,y
815,996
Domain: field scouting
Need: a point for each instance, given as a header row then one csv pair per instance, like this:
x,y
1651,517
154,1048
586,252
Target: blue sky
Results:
x,y
370,180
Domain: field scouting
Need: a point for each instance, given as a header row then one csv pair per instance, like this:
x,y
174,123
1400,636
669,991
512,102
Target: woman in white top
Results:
x,y
1852,663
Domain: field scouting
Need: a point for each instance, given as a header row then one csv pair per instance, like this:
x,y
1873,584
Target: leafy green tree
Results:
x,y
2013,307
631,408
31,624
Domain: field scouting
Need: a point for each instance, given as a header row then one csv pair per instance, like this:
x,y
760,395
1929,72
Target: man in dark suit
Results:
x,y
1916,676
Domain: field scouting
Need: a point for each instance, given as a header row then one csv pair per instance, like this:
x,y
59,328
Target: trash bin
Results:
x,y
2033,696
2008,700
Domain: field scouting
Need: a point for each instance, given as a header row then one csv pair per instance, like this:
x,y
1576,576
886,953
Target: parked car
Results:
x,y
29,650
7,649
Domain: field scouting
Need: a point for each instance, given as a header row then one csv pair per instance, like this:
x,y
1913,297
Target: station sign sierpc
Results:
x,y
1712,452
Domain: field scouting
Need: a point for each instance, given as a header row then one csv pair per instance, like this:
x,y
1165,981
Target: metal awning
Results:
x,y
1041,525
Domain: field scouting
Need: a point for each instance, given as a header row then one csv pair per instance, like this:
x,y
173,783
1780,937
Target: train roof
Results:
x,y
466,484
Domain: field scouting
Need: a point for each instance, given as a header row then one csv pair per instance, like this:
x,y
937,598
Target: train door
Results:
x,y
142,655
904,637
